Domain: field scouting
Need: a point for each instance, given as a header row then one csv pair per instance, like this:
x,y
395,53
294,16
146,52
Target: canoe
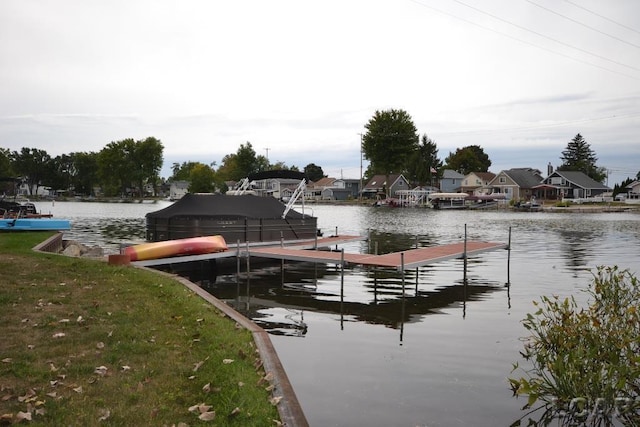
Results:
x,y
34,224
178,247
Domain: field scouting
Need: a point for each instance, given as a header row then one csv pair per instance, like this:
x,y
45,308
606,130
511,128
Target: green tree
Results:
x,y
84,175
146,157
181,171
59,174
126,164
471,158
7,183
578,156
424,164
314,172
201,179
241,164
390,141
33,165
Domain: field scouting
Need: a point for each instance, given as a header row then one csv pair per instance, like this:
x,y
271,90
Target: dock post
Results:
x,y
403,298
509,259
341,288
238,268
248,273
464,256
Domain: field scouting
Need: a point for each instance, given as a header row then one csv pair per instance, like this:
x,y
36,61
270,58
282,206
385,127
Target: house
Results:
x,y
333,189
451,181
177,189
633,194
570,185
477,183
516,183
377,186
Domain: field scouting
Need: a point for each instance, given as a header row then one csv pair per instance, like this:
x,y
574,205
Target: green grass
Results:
x,y
163,347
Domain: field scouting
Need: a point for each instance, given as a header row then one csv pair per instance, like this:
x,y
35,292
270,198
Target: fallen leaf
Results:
x,y
275,400
52,394
208,416
240,384
78,390
277,423
52,367
80,319
23,416
207,388
104,414
6,419
31,346
270,387
126,368
63,321
227,361
235,412
40,411
197,366
101,370
100,345
7,360
59,335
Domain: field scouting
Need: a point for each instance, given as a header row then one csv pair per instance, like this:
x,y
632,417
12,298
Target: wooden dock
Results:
x,y
411,258
312,251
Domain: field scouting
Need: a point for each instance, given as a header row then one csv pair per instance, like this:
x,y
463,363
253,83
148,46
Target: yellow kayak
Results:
x,y
179,247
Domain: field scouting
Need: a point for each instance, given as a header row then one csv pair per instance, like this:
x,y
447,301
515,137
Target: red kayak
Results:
x,y
179,247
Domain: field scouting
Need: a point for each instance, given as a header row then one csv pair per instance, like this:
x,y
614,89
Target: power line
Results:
x,y
524,41
582,23
545,36
603,17
551,125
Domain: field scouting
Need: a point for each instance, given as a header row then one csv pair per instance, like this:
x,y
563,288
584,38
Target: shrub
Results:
x,y
585,362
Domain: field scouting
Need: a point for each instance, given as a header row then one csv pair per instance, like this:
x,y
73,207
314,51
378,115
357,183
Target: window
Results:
x,y
502,180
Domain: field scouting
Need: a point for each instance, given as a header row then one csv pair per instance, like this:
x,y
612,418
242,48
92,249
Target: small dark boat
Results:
x,y
244,218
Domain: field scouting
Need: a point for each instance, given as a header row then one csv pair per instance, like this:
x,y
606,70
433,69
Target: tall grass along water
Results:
x,y
376,348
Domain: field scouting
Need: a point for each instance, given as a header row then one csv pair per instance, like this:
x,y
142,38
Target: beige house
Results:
x,y
517,183
477,183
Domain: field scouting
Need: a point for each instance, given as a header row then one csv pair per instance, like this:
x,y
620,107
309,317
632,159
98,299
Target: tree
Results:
x,y
424,163
241,164
7,184
313,172
471,158
578,156
182,171
32,164
390,140
59,174
126,164
201,179
84,175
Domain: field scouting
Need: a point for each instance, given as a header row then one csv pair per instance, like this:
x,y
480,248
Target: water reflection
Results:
x,y
269,295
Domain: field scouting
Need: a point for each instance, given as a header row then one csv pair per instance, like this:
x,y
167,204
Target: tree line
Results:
x,y
391,144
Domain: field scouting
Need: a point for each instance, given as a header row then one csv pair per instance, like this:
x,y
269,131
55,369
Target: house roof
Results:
x,y
581,180
323,182
378,181
524,177
451,174
485,176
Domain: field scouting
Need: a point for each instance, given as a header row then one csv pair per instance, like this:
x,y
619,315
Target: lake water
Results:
x,y
437,355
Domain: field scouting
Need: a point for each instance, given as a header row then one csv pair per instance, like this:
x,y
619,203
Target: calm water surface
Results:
x,y
438,354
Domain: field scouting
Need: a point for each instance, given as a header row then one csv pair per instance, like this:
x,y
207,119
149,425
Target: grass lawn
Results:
x,y
87,343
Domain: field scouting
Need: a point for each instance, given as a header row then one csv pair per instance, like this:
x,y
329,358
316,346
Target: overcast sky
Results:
x,y
300,79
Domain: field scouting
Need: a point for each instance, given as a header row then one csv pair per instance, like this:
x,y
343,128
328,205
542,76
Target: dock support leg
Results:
x,y
402,313
464,256
342,289
248,274
509,259
238,270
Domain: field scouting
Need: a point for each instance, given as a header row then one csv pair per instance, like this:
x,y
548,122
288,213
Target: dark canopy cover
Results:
x,y
204,205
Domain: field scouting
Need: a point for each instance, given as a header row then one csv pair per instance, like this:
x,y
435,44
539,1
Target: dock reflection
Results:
x,y
277,298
